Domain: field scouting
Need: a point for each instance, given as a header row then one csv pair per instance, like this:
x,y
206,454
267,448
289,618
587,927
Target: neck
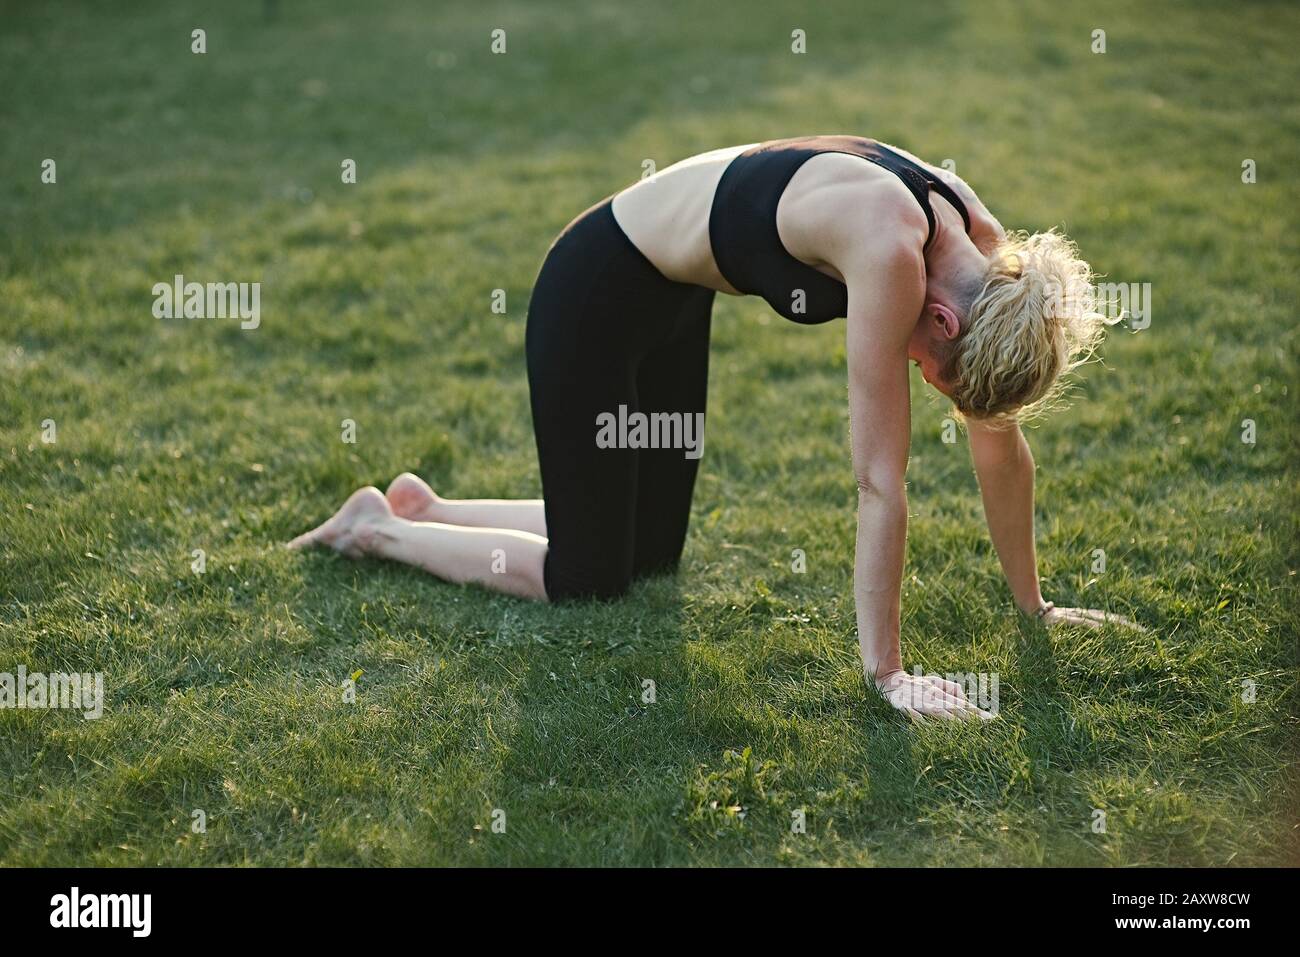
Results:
x,y
952,261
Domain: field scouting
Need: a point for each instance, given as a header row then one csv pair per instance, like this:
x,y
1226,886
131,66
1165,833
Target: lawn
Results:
x,y
224,689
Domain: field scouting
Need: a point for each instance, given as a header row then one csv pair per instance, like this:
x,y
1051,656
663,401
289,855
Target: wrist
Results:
x,y
1041,611
880,670
1033,605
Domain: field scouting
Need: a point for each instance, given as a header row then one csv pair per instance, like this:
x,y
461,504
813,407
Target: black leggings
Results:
x,y
606,329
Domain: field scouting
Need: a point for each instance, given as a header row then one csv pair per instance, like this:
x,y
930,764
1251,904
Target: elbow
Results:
x,y
880,487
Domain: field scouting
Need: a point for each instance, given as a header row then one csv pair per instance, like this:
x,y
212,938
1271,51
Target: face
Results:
x,y
931,372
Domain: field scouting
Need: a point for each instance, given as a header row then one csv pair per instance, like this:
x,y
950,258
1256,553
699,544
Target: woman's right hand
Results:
x,y
928,696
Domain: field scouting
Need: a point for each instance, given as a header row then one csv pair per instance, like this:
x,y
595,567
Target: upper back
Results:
x,y
749,219
753,246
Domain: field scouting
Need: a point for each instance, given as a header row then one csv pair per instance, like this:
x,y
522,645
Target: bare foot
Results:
x,y
410,497
352,527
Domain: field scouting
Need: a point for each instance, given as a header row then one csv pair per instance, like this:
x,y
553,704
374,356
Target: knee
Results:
x,y
526,577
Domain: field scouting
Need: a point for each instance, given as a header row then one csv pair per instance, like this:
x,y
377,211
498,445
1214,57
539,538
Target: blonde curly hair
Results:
x,y
1032,319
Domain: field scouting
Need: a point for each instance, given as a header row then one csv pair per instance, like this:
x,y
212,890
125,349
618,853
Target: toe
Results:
x,y
302,541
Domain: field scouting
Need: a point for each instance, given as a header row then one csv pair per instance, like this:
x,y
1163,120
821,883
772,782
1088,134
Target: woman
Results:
x,y
821,227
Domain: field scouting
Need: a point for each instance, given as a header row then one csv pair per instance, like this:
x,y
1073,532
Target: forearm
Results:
x,y
1007,488
878,578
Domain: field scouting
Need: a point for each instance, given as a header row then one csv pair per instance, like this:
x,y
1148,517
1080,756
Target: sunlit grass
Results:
x,y
224,688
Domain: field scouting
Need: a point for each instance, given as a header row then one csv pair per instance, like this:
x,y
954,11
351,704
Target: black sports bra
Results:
x,y
742,222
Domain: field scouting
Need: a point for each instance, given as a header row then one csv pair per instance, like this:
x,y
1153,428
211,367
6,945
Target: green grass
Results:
x,y
224,688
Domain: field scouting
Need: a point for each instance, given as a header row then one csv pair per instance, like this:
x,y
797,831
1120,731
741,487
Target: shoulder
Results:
x,y
856,217
848,212
875,234
877,243
838,182
986,231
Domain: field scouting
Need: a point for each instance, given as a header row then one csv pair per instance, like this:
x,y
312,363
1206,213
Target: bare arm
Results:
x,y
884,269
1005,469
880,424
886,285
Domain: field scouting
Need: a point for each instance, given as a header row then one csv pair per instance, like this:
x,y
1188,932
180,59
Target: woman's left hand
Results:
x,y
1085,617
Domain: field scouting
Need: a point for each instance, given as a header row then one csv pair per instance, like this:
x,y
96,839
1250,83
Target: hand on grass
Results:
x,y
1084,617
928,696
